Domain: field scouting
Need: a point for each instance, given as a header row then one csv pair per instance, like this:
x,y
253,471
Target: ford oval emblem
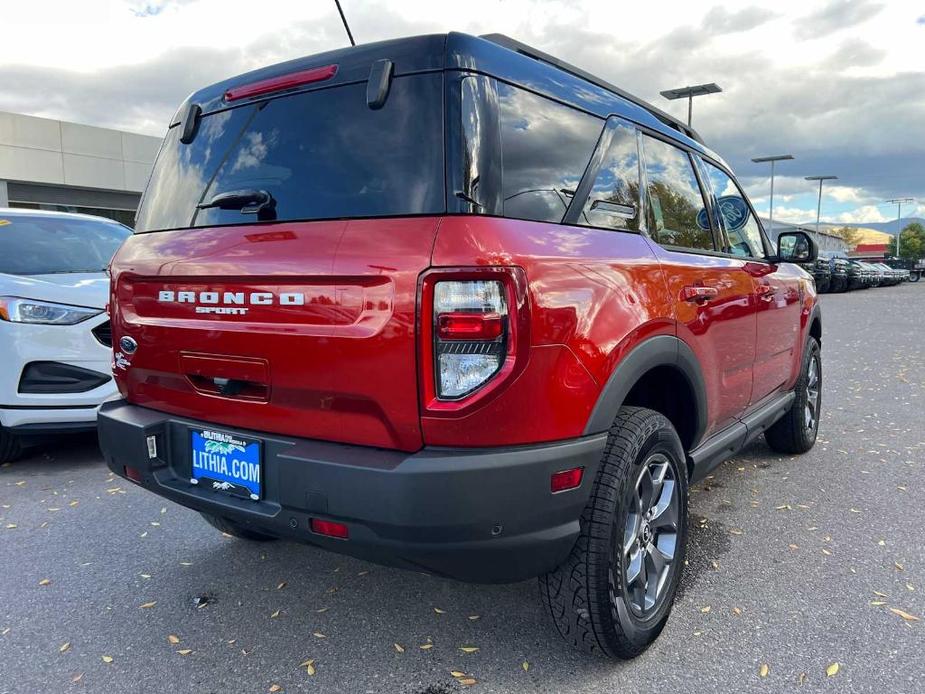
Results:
x,y
128,344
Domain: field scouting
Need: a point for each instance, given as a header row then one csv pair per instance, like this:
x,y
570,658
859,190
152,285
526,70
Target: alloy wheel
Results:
x,y
811,411
650,536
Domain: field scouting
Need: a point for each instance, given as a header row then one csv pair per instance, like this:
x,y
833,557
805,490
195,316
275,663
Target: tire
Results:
x,y
796,431
586,596
10,446
226,525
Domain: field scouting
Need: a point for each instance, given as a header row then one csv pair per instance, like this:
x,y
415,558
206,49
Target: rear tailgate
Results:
x,y
305,329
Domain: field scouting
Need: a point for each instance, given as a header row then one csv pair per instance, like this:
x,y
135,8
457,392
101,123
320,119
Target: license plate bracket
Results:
x,y
227,463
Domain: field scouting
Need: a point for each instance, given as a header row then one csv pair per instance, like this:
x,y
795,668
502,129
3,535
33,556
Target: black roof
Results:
x,y
495,55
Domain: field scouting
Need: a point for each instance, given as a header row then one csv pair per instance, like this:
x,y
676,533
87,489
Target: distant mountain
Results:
x,y
892,228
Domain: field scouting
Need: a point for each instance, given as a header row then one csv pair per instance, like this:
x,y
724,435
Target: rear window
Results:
x,y
46,245
322,154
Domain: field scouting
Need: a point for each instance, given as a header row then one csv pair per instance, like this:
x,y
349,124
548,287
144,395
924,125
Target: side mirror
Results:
x,y
796,247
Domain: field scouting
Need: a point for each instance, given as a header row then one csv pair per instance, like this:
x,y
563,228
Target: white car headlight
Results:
x,y
19,310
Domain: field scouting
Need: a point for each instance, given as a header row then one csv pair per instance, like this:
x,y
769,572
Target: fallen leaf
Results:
x,y
173,640
905,615
185,651
309,666
473,617
45,582
426,646
899,567
399,648
737,610
319,635
281,586
106,658
469,649
735,531
145,575
467,681
525,665
801,679
826,552
880,595
764,670
148,605
457,673
832,670
362,573
275,688
64,646
274,615
705,609
439,611
877,603
186,563
322,609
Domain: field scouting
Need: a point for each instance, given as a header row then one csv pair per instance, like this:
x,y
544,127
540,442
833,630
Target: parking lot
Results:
x,y
795,564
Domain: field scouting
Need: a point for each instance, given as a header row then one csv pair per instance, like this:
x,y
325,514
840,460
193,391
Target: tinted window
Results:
x,y
322,154
545,149
676,203
741,226
614,198
41,245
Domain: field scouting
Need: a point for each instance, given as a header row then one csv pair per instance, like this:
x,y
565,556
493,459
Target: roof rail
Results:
x,y
536,54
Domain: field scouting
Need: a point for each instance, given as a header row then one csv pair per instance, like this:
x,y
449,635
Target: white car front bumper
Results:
x,y
75,345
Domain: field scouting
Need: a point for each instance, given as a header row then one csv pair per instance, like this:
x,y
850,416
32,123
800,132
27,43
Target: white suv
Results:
x,y
55,343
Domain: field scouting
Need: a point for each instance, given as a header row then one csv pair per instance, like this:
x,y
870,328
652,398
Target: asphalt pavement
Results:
x,y
796,564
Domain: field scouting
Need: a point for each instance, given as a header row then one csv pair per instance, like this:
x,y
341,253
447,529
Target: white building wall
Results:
x,y
41,150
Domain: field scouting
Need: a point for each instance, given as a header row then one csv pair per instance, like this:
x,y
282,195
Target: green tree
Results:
x,y
850,235
912,241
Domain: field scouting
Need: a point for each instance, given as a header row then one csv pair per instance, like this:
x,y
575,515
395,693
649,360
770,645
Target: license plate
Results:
x,y
226,463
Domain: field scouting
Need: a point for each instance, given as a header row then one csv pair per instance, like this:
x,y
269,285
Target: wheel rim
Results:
x,y
650,536
811,411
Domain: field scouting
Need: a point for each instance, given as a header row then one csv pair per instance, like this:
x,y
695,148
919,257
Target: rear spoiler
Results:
x,y
536,54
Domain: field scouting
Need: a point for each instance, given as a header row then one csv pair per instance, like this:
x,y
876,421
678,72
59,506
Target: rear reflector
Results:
x,y
329,528
133,474
566,479
469,326
276,84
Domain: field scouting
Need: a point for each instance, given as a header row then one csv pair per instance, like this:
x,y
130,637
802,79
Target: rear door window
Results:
x,y
677,210
742,229
613,201
321,154
545,150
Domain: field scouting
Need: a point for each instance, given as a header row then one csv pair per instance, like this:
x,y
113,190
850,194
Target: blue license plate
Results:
x,y
226,463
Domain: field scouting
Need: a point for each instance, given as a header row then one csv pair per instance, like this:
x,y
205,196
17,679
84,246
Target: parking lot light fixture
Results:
x,y
819,204
689,93
772,159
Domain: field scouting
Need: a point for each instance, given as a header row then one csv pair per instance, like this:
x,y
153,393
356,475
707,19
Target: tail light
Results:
x,y
470,334
475,336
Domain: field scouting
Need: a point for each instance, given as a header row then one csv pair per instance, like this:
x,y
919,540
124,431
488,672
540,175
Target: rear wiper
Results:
x,y
258,202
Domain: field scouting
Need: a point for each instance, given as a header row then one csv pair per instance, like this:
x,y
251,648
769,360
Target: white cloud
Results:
x,y
865,213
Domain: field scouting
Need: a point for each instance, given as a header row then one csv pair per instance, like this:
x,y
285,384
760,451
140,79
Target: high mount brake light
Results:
x,y
278,84
470,334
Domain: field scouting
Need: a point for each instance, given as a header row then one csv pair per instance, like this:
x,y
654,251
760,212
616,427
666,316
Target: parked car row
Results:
x,y
834,273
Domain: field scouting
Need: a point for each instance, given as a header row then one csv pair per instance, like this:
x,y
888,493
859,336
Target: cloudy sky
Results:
x,y
840,84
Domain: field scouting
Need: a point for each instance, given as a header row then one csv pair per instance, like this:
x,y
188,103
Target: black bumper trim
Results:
x,y
482,515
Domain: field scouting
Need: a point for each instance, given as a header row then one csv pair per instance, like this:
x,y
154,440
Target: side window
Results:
x,y
545,148
741,226
613,201
677,215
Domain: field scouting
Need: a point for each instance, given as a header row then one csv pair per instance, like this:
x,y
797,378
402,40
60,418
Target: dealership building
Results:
x,y
55,165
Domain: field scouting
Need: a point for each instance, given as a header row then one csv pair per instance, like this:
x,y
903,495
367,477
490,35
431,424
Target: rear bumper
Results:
x,y
479,515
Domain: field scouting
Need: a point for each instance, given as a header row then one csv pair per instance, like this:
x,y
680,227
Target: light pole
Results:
x,y
689,93
772,159
899,217
819,205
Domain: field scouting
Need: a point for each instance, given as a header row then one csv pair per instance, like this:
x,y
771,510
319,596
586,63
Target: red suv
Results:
x,y
450,304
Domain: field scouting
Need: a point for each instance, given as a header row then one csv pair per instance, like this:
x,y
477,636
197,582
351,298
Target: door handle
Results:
x,y
699,295
766,292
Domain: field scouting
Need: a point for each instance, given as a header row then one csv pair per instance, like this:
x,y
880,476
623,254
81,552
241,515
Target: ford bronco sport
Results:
x,y
450,304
